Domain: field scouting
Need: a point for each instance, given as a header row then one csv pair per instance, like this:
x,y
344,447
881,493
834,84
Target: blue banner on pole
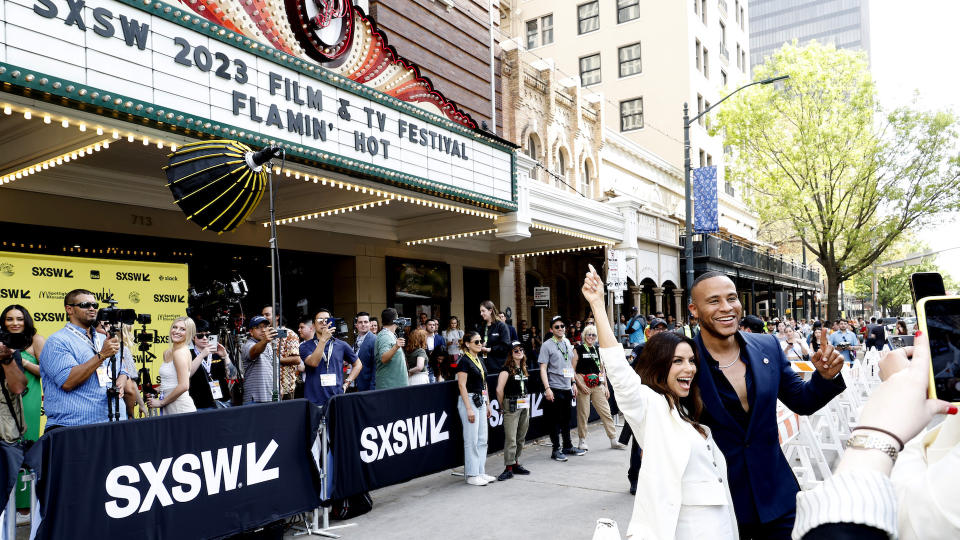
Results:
x,y
705,215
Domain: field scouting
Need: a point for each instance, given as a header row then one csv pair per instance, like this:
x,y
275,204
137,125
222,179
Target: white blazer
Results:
x,y
666,442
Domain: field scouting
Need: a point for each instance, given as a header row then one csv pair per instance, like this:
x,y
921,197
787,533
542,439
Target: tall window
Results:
x,y
587,182
723,37
631,114
742,19
627,10
531,146
706,63
629,57
739,61
736,9
698,53
590,69
588,17
540,31
703,158
561,169
723,78
700,108
703,11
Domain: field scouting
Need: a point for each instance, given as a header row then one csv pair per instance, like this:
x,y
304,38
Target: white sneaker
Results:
x,y
488,478
477,481
582,445
615,444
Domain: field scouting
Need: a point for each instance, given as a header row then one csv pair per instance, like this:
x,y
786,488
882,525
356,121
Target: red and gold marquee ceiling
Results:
x,y
337,35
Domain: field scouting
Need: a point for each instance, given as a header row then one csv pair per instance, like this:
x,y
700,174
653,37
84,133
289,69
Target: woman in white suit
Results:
x,y
682,489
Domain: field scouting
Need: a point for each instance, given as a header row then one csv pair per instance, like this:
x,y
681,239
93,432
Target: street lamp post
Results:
x,y
687,191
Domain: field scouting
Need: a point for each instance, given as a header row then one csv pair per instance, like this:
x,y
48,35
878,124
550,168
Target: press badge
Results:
x,y
522,403
215,389
328,379
568,373
103,376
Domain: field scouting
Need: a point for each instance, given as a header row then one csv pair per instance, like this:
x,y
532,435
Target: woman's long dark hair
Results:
x,y
512,366
467,336
29,329
653,366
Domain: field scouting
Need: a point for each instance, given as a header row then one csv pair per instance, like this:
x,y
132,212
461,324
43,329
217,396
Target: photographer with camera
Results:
x,y
364,347
392,363
13,426
256,358
290,363
845,341
75,367
324,357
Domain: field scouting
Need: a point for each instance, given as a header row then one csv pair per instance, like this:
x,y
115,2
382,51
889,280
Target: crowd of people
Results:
x,y
701,414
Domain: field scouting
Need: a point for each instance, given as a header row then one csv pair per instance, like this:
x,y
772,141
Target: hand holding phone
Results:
x,y
939,320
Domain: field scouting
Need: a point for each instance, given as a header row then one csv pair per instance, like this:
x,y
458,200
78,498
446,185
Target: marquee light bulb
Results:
x,y
99,131
130,137
27,115
7,110
65,123
46,118
146,141
83,127
116,134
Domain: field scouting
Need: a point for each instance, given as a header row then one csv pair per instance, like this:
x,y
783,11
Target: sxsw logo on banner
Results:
x,y
21,294
132,276
48,271
397,437
132,492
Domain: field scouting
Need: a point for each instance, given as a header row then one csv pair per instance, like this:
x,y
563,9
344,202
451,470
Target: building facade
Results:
x,y
845,23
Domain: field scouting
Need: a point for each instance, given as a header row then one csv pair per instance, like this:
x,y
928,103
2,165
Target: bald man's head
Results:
x,y
715,302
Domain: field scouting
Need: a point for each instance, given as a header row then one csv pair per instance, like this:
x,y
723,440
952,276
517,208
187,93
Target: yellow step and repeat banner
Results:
x,y
40,282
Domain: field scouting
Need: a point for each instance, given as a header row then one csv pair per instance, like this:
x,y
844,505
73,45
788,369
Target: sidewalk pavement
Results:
x,y
556,501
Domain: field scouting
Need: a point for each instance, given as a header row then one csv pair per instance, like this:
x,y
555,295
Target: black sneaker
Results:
x,y
518,469
574,451
505,475
557,455
633,487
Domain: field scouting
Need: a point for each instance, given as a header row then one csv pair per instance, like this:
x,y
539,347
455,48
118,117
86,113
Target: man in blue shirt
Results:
x,y
324,357
845,341
75,367
635,327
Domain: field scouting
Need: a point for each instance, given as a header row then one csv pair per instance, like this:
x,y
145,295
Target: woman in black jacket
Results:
x,y
496,338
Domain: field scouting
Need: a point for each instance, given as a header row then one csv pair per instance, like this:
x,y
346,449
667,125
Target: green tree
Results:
x,y
817,152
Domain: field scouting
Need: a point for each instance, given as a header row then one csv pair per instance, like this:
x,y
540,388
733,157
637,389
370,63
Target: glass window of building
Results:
x,y
588,17
629,57
532,146
631,114
627,10
706,63
561,169
585,178
540,31
703,11
698,53
723,78
590,69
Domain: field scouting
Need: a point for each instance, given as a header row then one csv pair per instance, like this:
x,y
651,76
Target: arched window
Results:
x,y
561,169
532,146
586,181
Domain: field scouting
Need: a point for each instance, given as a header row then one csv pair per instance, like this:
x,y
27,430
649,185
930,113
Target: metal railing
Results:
x,y
725,250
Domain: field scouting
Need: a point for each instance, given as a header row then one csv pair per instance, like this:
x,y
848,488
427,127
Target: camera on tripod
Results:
x,y
115,316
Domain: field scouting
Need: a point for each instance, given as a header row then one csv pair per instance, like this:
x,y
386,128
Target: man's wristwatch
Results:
x,y
872,442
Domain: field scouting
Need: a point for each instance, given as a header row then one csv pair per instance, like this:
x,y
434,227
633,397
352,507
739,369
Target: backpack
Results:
x,y
351,507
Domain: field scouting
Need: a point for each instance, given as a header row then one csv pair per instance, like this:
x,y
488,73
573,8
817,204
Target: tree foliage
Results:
x,y
816,152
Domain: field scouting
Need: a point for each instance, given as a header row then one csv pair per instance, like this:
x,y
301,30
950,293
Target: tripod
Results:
x,y
146,388
113,394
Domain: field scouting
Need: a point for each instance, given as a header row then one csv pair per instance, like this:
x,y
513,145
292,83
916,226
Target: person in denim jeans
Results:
x,y
472,381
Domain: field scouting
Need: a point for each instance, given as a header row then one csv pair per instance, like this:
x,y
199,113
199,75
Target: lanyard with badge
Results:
x,y
596,360
103,376
215,390
565,351
327,378
522,402
477,400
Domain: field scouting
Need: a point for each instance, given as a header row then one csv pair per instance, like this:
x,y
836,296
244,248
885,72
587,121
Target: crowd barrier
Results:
x,y
386,437
210,474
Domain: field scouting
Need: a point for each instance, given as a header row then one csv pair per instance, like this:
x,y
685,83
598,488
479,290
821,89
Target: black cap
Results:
x,y
516,344
256,320
754,323
657,322
556,318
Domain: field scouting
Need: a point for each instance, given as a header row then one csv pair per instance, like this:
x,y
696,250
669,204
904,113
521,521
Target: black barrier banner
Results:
x,y
207,474
385,437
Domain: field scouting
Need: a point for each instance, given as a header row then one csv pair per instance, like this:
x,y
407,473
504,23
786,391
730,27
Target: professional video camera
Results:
x,y
15,341
115,316
219,293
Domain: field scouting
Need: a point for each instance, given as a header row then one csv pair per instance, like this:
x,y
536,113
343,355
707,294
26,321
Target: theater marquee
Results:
x,y
160,62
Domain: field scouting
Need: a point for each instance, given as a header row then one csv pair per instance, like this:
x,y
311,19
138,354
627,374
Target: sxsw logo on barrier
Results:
x,y
48,271
397,437
166,298
49,316
132,276
23,294
132,492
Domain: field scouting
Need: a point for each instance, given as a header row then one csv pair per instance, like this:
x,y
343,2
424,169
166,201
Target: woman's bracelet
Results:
x,y
880,430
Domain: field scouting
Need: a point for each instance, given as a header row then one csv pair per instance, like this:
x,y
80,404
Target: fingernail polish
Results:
x,y
952,410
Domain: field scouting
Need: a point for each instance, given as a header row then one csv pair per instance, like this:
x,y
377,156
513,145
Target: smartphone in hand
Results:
x,y
939,318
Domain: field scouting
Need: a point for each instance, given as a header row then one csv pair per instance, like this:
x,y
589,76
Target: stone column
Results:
x,y
658,298
678,302
635,293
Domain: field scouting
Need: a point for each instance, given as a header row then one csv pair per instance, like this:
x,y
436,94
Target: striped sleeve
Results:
x,y
854,496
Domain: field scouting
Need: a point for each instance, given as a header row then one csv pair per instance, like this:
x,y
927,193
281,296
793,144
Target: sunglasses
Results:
x,y
86,305
518,350
589,335
558,326
476,342
204,335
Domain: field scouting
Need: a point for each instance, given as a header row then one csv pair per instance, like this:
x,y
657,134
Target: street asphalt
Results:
x,y
556,501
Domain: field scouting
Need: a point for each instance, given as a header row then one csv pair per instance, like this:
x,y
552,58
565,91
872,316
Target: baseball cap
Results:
x,y
516,344
256,320
657,322
754,323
